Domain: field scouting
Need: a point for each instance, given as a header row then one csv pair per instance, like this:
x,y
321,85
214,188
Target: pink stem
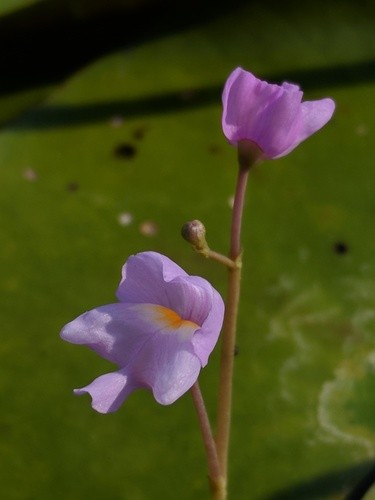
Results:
x,y
230,326
216,480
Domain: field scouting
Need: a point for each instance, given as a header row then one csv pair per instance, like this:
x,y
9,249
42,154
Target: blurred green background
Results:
x,y
110,139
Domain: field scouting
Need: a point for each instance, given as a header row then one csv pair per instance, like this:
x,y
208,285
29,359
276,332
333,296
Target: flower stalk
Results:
x,y
222,259
217,450
217,482
230,325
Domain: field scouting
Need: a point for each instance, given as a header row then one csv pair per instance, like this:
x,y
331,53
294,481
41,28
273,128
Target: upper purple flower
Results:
x,y
272,116
160,334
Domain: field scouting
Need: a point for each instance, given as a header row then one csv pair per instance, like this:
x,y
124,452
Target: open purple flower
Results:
x,y
272,116
160,334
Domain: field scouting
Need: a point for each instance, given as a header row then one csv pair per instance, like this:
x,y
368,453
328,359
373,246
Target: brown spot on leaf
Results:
x,y
214,149
125,150
340,248
72,187
139,133
188,94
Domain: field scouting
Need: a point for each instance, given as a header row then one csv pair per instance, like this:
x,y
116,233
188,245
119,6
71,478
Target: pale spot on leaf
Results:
x,y
30,174
148,228
125,219
117,121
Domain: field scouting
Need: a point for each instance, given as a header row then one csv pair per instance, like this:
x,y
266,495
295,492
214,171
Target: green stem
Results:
x,y
230,326
222,259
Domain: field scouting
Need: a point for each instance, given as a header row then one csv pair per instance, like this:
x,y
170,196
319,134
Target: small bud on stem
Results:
x,y
194,232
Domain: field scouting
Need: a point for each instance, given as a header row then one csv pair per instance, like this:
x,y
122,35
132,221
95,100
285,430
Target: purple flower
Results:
x,y
160,334
272,116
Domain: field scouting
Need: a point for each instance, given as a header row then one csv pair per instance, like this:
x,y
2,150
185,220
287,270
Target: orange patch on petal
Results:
x,y
171,319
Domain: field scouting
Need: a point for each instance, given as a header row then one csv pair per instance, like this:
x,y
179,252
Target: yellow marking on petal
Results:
x,y
171,319
168,320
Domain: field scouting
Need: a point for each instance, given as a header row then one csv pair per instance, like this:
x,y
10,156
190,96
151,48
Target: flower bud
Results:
x,y
195,233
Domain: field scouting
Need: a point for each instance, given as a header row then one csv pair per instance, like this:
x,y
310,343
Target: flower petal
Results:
x,y
204,339
108,391
315,114
190,297
118,331
272,116
244,100
144,277
168,365
194,298
159,355
115,331
280,123
152,342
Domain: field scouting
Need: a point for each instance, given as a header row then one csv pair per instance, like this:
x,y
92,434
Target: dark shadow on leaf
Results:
x,y
43,43
335,484
75,115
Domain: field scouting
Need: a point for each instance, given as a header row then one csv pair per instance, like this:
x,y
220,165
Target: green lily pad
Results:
x,y
113,164
15,104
